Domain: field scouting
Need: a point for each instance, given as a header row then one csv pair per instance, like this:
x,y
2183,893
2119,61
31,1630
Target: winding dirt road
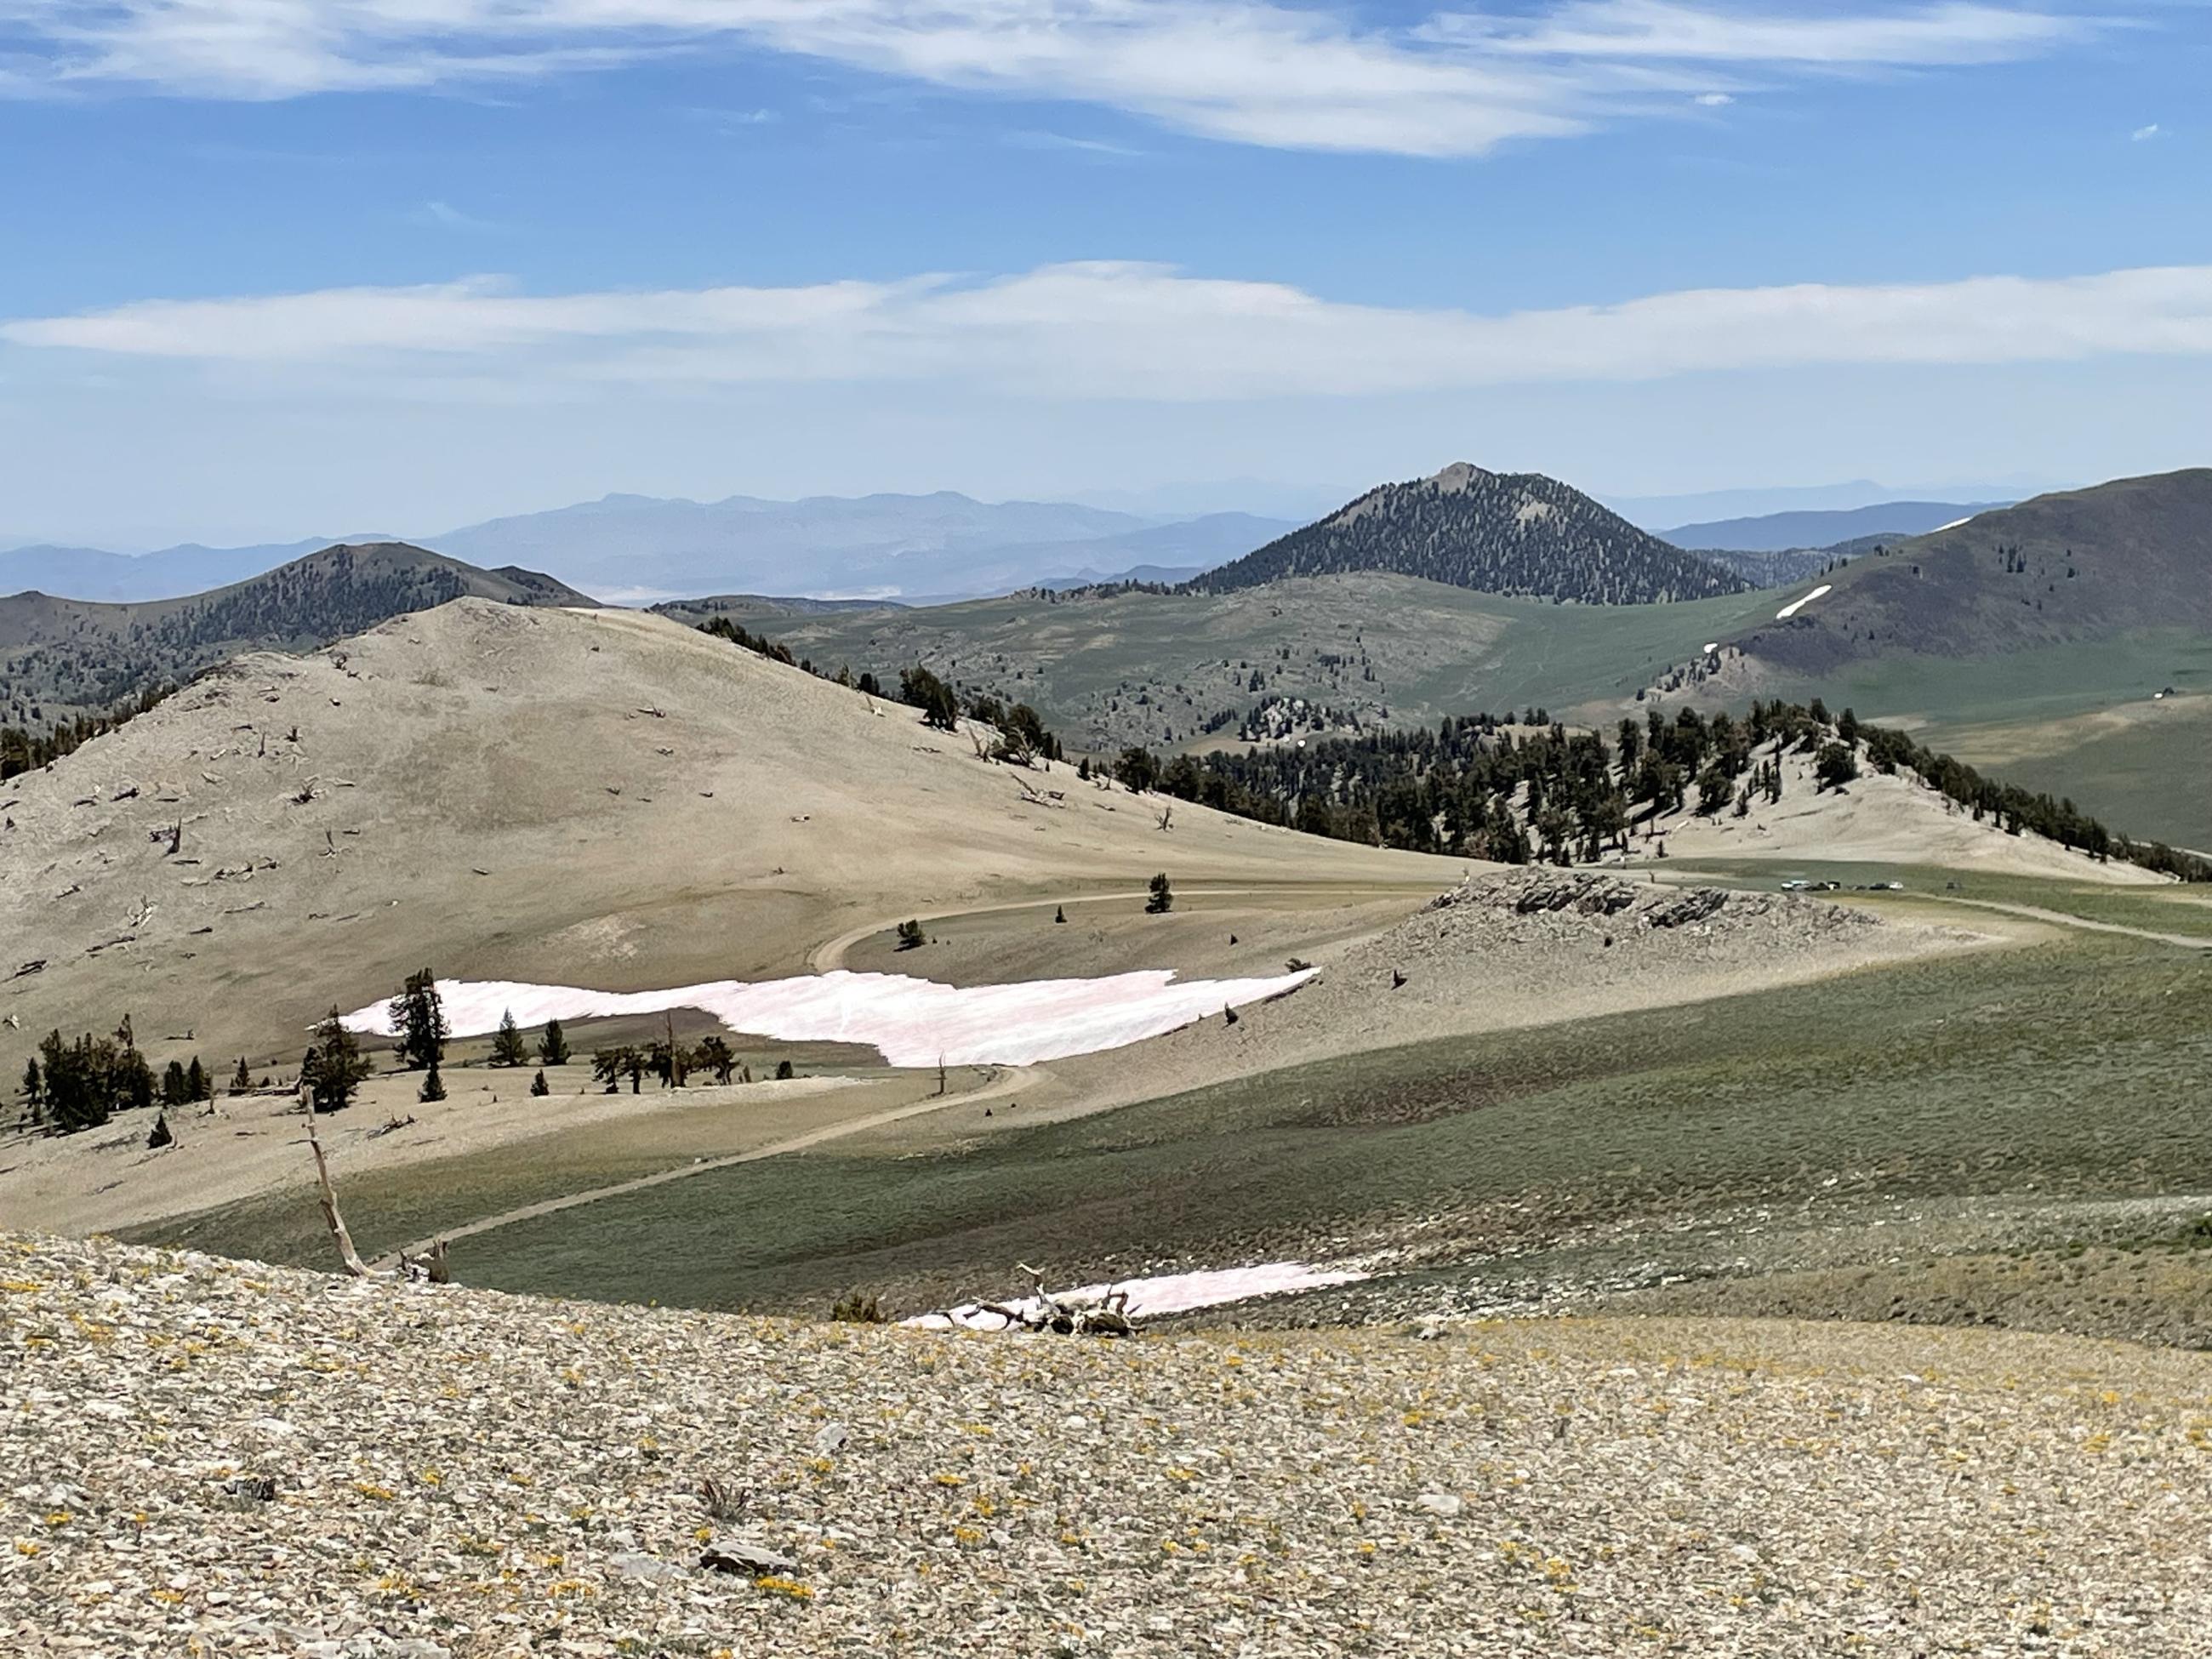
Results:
x,y
1007,1082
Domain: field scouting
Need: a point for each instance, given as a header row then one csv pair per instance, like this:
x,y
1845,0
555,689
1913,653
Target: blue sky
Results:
x,y
274,268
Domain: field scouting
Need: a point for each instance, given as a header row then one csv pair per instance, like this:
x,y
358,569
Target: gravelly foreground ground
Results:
x,y
467,1474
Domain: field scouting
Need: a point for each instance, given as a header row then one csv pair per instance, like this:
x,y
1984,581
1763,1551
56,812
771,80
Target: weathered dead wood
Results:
x,y
347,1253
1064,1313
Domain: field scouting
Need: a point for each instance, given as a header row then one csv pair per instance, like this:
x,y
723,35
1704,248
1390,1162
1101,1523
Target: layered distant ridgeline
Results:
x,y
1519,534
63,656
2080,566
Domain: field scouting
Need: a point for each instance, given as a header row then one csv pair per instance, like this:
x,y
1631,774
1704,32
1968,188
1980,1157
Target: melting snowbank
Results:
x,y
1169,1293
1796,605
913,1022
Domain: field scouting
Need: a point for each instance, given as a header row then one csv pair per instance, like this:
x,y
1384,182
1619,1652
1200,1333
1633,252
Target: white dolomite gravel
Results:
x,y
460,1474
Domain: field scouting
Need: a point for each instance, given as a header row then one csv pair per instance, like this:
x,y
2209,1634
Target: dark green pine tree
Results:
x,y
174,1085
335,1067
418,1019
538,1085
434,1086
1163,898
712,1054
242,1079
197,1084
507,1048
552,1046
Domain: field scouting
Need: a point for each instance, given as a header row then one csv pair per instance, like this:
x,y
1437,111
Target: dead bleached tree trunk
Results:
x,y
1067,1313
344,1240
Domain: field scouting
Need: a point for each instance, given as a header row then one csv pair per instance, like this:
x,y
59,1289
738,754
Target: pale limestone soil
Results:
x,y
1875,819
460,1473
556,797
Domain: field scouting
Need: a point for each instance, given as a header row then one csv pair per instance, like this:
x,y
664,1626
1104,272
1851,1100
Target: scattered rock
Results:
x,y
746,1560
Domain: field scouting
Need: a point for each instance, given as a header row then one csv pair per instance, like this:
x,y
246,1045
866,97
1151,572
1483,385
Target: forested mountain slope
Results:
x,y
2081,565
60,657
1515,533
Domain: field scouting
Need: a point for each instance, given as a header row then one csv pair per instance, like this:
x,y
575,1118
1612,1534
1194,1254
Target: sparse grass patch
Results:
x,y
2071,1068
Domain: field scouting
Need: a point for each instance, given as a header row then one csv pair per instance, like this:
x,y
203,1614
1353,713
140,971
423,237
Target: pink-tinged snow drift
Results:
x,y
913,1022
1169,1293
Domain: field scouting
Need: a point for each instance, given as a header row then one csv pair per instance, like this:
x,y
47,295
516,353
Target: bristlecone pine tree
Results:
x,y
79,1085
552,1046
334,1067
909,935
1835,765
1163,898
197,1084
241,1079
538,1085
714,1054
507,1048
434,1086
419,1018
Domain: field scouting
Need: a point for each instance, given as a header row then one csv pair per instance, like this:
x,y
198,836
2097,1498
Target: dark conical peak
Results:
x,y
1518,534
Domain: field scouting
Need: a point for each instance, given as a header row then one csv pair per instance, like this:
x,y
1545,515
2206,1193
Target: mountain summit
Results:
x,y
1501,532
59,656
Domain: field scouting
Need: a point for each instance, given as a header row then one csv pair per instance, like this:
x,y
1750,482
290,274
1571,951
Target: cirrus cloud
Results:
x,y
1253,71
1106,329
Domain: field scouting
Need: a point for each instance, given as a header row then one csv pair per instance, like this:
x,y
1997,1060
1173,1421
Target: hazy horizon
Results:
x,y
291,269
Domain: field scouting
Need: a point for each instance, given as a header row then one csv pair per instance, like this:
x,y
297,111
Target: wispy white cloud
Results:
x,y
1032,138
1714,100
1955,32
2143,133
445,217
1131,331
1258,71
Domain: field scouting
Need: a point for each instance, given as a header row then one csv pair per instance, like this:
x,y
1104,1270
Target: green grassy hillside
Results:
x,y
2076,567
1171,670
2038,1080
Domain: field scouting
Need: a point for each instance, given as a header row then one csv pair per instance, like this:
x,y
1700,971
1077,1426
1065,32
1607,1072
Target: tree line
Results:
x,y
38,743
70,1084
1022,737
1477,786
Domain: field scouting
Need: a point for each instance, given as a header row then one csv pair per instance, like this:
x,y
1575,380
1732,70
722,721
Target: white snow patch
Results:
x,y
1796,605
913,1022
1955,524
1168,1294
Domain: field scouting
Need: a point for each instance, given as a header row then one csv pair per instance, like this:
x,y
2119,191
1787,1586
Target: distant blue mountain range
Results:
x,y
628,549
1774,532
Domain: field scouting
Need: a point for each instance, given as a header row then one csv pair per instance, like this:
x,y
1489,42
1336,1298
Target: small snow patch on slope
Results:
x,y
1796,605
912,1022
1170,1294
